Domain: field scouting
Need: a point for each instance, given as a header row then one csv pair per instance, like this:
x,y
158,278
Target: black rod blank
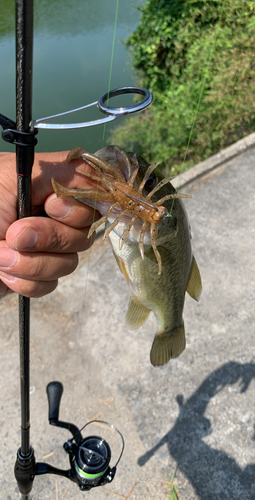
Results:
x,y
24,163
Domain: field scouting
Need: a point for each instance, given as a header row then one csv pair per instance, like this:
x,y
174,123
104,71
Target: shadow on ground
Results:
x,y
204,466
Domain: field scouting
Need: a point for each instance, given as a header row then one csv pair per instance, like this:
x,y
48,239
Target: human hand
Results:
x,y
36,251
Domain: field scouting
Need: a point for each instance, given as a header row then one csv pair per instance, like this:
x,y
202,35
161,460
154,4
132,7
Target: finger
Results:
x,y
4,289
70,211
28,288
36,266
42,234
45,166
48,165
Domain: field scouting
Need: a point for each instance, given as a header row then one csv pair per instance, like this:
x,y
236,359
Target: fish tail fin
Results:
x,y
136,314
194,285
168,345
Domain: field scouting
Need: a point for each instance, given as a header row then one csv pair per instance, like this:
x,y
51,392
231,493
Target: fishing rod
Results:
x,y
89,457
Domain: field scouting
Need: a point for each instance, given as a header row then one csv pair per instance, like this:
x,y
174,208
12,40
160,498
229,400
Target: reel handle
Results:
x,y
54,392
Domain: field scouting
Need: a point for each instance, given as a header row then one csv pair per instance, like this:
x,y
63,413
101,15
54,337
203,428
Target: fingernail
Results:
x,y
8,258
26,239
59,209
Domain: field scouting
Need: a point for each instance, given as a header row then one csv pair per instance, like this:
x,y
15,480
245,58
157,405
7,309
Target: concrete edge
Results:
x,y
194,173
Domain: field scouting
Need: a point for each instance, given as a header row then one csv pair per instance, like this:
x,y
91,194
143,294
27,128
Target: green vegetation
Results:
x,y
173,488
198,59
174,493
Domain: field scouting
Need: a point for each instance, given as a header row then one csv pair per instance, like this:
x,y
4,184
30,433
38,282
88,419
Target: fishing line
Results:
x,y
104,131
111,63
97,189
104,127
214,36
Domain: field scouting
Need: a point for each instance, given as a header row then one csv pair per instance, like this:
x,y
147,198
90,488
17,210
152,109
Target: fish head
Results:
x,y
127,163
164,216
118,158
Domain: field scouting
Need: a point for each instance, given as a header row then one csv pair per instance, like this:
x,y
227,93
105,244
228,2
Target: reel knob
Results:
x,y
54,392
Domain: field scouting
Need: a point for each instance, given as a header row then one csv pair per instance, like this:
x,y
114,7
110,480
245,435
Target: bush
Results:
x,y
198,59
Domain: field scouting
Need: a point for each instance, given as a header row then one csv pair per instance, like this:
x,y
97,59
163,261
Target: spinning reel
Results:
x,y
89,457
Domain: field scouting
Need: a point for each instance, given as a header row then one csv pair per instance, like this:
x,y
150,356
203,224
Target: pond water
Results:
x,y
73,42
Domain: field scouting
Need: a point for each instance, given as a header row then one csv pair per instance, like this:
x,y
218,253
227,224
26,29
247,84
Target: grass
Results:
x,y
174,490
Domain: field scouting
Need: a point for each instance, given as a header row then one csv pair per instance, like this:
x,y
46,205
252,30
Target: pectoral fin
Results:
x,y
194,285
167,345
121,265
136,314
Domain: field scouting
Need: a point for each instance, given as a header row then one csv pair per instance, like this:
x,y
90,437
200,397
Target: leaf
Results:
x,y
210,93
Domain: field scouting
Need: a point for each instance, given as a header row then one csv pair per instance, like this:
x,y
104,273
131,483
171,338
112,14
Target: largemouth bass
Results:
x,y
162,292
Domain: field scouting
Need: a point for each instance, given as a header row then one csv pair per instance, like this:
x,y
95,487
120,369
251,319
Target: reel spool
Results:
x,y
92,460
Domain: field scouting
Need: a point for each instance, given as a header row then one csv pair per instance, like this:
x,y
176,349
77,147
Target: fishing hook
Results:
x,y
141,201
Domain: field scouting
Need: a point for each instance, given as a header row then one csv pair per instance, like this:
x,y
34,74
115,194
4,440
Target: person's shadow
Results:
x,y
213,474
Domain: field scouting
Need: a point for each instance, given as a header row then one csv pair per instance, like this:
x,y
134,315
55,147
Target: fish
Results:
x,y
162,292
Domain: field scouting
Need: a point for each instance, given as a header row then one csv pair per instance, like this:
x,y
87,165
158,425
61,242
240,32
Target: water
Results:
x,y
72,57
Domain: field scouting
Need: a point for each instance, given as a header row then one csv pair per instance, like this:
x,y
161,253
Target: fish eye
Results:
x,y
151,182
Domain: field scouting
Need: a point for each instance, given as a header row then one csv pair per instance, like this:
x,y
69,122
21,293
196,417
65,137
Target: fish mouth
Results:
x,y
118,158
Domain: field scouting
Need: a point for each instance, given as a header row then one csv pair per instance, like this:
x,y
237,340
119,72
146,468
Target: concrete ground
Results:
x,y
197,412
